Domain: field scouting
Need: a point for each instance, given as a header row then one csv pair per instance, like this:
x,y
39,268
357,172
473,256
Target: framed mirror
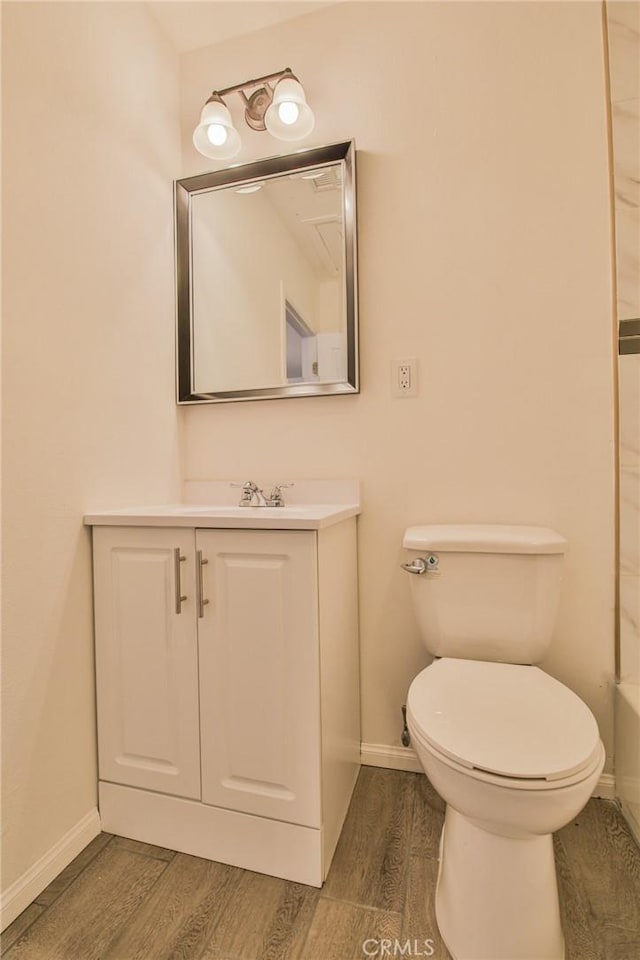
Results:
x,y
266,279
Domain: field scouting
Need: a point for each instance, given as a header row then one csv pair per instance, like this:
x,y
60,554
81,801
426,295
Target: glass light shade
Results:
x,y
289,117
215,136
251,187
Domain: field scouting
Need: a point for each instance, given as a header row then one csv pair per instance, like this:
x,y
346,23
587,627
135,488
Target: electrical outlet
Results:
x,y
404,378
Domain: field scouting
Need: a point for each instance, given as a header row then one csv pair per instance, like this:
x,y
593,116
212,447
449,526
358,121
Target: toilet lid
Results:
x,y
507,719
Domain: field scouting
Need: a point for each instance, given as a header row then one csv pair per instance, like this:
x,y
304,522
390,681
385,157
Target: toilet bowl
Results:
x,y
515,755
513,752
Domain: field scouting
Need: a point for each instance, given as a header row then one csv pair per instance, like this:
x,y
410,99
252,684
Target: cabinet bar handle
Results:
x,y
177,560
202,602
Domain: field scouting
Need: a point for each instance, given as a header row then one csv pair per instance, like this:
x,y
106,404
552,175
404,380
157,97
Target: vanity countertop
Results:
x,y
294,517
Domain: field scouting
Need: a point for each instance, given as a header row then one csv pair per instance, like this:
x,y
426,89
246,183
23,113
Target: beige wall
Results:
x,y
90,147
484,252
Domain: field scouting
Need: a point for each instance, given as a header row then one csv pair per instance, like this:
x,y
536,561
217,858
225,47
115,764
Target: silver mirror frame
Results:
x,y
260,170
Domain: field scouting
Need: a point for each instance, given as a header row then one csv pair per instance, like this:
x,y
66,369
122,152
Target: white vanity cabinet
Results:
x,y
146,661
260,673
227,690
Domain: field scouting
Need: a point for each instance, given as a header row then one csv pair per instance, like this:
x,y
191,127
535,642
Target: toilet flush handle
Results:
x,y
421,565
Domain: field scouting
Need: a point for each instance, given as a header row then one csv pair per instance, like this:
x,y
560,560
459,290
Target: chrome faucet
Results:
x,y
275,497
252,495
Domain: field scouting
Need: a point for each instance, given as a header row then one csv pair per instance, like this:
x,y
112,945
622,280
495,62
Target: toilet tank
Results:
x,y
489,592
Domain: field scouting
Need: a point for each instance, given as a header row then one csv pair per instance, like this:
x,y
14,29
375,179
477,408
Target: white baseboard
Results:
x,y
404,758
630,816
393,758
27,887
605,788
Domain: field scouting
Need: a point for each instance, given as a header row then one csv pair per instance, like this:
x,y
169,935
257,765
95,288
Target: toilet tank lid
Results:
x,y
484,538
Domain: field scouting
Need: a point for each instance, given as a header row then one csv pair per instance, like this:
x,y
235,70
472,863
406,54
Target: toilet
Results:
x,y
514,754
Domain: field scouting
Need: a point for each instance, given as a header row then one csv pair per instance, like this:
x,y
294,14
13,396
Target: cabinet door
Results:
x,y
146,658
259,682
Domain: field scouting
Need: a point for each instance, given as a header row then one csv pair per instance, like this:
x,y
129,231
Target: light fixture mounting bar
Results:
x,y
238,87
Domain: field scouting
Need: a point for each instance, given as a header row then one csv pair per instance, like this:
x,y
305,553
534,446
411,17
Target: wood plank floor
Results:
x,y
123,900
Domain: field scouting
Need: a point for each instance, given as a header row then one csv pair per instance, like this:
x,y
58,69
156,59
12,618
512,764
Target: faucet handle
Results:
x,y
275,497
249,488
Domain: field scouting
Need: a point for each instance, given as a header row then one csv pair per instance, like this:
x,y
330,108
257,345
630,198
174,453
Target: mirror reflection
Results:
x,y
266,279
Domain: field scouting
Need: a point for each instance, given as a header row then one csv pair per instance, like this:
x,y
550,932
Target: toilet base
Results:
x,y
497,897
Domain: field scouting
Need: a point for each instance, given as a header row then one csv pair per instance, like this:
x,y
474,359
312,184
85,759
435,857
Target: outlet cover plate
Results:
x,y
404,377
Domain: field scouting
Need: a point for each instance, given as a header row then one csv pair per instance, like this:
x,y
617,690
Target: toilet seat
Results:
x,y
503,720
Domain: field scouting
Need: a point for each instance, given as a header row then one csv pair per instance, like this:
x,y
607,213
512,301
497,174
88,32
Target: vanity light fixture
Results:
x,y
277,104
